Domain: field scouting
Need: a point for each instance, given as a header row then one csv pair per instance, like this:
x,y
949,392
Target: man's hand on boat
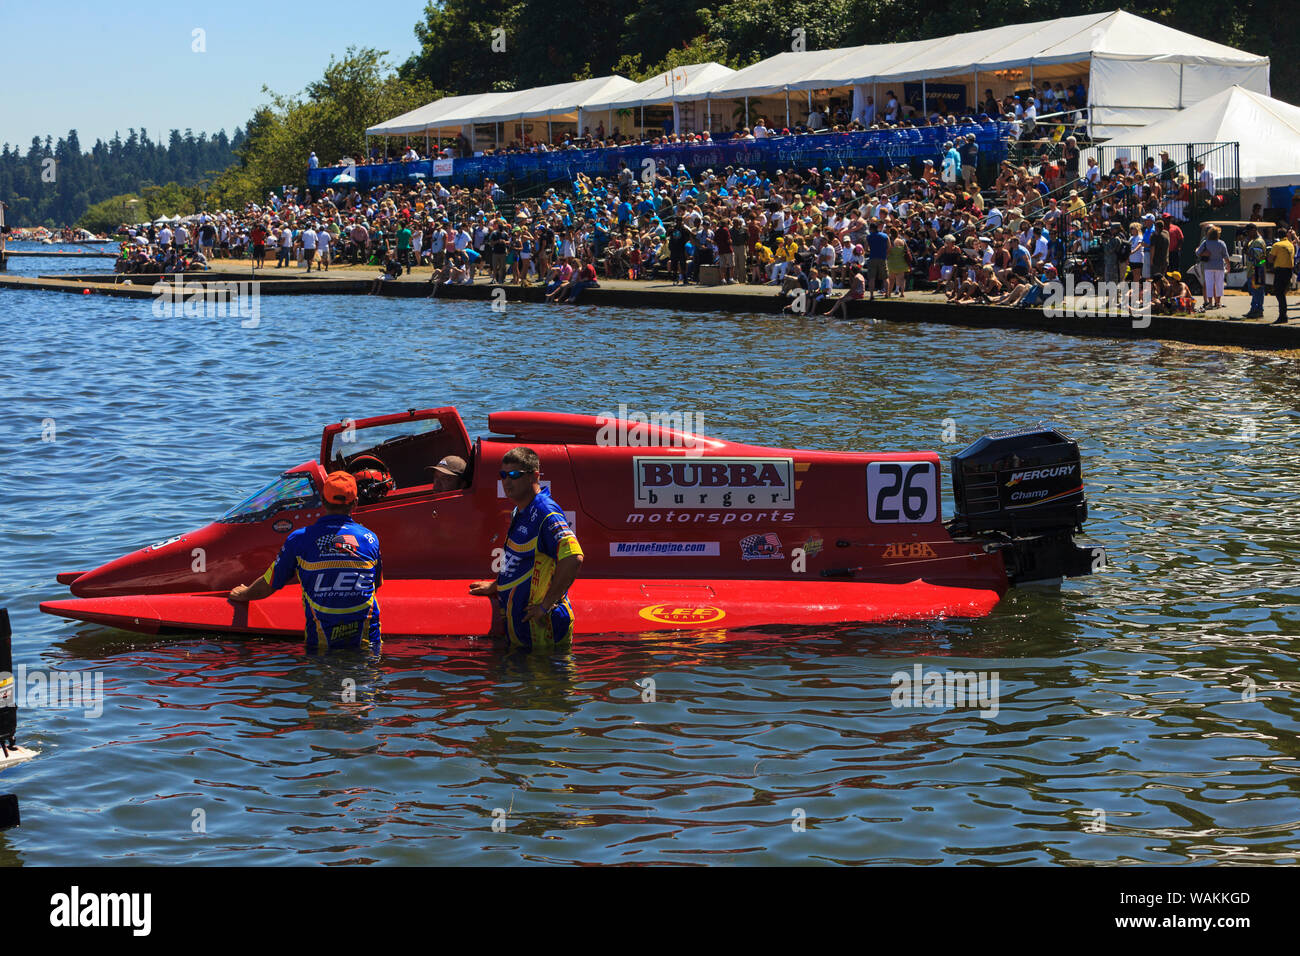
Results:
x,y
242,593
483,588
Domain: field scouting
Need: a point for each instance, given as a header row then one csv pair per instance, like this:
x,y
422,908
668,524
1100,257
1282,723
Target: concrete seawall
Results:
x,y
1215,328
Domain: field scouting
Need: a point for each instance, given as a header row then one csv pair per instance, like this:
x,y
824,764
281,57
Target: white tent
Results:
x,y
795,71
1267,129
426,117
558,100
1136,71
558,103
677,87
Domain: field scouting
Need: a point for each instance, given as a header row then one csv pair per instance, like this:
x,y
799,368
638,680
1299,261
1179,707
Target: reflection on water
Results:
x,y
1147,714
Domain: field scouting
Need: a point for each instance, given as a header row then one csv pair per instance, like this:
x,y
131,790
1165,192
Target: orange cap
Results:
x,y
340,488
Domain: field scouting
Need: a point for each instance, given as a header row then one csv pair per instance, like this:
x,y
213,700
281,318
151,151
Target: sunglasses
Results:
x,y
513,473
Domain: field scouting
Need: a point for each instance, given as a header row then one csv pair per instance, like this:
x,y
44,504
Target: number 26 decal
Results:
x,y
902,492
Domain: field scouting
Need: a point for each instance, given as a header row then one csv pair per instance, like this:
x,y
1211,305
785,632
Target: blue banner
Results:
x,y
883,148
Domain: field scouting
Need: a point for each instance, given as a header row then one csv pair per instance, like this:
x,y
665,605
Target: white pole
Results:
x,y
746,120
925,100
787,107
1090,100
708,109
810,107
975,95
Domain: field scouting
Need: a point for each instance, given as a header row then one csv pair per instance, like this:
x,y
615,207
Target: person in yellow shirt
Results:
x,y
779,261
1282,258
1077,205
763,256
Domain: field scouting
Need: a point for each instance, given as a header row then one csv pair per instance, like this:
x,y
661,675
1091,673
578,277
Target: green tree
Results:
x,y
457,39
329,118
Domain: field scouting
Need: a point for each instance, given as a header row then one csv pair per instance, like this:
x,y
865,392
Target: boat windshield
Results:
x,y
284,494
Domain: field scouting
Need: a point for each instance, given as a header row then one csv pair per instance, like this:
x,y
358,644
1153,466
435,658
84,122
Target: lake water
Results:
x,y
1146,714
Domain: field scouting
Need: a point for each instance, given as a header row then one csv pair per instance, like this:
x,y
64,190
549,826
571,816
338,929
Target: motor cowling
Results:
x,y
1021,493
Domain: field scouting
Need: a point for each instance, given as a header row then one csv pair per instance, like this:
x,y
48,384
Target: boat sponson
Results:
x,y
423,608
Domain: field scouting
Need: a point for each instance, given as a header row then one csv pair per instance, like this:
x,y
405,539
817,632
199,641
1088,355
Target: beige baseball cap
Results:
x,y
452,465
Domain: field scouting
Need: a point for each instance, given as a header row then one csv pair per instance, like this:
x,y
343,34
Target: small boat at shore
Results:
x,y
680,531
10,753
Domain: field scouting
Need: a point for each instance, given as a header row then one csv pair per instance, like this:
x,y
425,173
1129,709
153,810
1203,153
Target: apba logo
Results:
x,y
909,549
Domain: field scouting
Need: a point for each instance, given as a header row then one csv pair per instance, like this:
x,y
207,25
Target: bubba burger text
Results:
x,y
714,482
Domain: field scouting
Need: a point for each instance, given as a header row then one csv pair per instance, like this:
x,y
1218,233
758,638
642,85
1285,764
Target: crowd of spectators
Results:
x,y
982,232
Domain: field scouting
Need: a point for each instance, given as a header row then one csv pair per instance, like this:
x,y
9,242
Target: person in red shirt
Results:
x,y
1175,241
753,232
726,255
258,237
1051,173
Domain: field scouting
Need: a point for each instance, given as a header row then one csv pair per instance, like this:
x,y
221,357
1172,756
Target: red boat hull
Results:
x,y
678,531
423,608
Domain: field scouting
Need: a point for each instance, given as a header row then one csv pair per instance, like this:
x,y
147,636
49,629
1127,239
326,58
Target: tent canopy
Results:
x,y
1137,71
560,100
680,83
1116,35
428,116
1267,129
795,71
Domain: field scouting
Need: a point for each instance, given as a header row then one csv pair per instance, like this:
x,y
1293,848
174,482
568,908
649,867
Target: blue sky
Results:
x,y
103,66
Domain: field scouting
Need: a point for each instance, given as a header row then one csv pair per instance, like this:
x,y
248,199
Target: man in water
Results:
x,y
338,565
542,560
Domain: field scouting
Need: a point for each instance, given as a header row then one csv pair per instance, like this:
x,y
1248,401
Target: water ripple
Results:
x,y
1145,715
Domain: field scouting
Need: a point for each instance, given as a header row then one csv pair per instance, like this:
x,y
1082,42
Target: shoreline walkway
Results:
x,y
1223,327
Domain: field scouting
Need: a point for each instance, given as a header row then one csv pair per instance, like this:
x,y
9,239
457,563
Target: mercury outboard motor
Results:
x,y
1021,493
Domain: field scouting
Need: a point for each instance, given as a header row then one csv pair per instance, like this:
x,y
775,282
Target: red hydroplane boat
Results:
x,y
679,531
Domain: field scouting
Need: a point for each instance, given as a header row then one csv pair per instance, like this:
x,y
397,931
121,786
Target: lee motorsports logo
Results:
x,y
714,482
